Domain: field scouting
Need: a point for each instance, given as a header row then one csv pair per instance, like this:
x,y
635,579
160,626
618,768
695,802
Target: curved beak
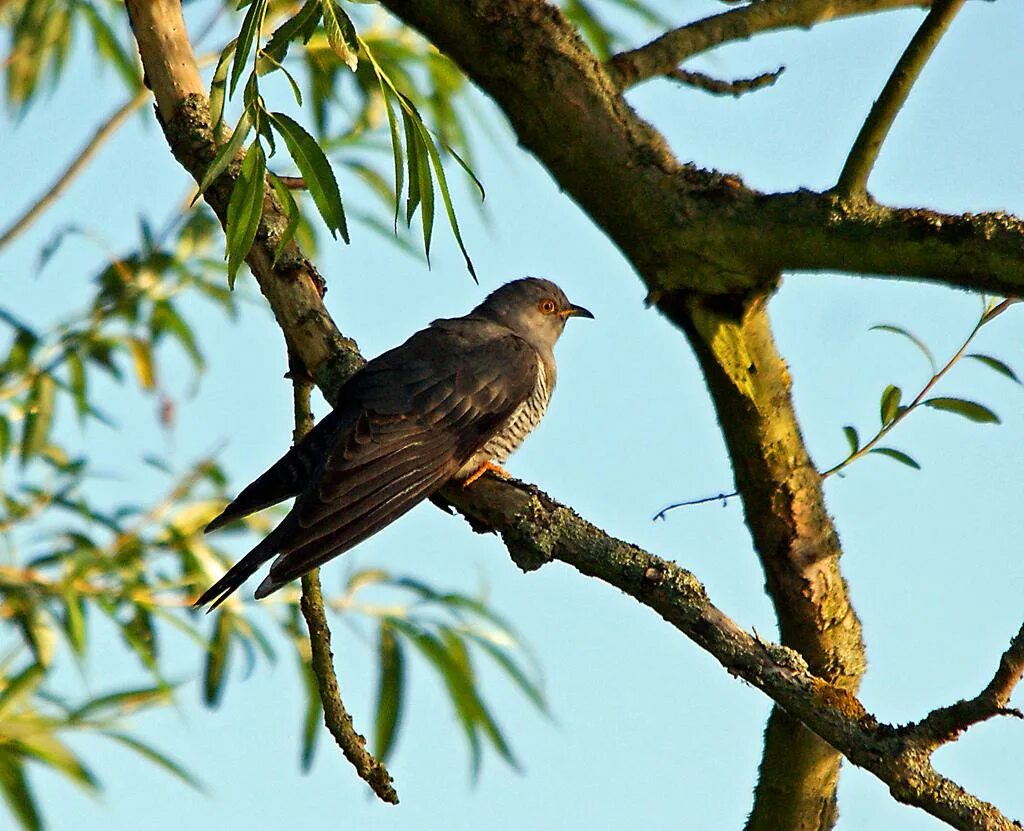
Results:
x,y
576,311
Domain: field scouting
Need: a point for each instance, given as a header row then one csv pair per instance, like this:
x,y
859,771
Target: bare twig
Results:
x,y
946,723
336,717
704,500
104,132
662,55
854,177
716,86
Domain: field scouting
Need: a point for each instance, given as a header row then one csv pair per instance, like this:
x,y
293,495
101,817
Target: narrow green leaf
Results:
x,y
460,655
515,672
390,691
247,36
74,622
996,364
214,675
108,46
218,88
245,208
898,455
19,687
889,404
413,154
226,154
340,33
316,171
5,438
156,757
968,409
77,384
142,361
458,685
291,211
396,150
165,318
852,438
299,27
39,417
914,339
122,703
469,172
18,795
446,197
48,750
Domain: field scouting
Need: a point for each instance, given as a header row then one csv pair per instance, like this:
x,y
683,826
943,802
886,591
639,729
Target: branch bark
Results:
x,y
665,53
854,177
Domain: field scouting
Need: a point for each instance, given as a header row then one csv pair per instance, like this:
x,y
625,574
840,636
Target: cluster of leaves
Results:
x,y
41,36
330,41
445,629
892,410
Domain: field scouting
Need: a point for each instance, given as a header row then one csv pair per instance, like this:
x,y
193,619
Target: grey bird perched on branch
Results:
x,y
452,402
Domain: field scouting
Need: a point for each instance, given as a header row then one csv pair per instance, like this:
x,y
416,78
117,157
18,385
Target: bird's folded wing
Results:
x,y
424,409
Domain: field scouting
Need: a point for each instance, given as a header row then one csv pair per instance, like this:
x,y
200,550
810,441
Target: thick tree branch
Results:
x,y
854,177
537,530
662,55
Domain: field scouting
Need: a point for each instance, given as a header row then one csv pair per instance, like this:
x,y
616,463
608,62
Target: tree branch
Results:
x,y
662,55
854,177
336,717
715,86
537,530
78,164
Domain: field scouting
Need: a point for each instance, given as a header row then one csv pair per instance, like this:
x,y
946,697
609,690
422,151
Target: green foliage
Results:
x,y
892,411
329,42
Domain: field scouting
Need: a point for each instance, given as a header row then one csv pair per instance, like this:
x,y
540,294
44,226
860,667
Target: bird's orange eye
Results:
x,y
547,307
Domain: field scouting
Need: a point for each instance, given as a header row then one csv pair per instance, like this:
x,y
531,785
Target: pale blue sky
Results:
x,y
649,732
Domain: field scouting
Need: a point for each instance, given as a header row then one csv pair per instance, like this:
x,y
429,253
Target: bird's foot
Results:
x,y
487,466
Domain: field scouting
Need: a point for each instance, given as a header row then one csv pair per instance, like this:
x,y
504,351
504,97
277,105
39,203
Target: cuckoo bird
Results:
x,y
452,402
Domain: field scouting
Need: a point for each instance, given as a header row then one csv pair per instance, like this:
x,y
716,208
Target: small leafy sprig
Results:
x,y
418,166
893,411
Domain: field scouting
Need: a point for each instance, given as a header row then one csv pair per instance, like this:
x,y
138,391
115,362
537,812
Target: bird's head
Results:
x,y
534,309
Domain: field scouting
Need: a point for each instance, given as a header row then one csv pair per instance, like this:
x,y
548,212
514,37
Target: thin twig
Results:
x,y
716,86
854,177
105,131
336,717
945,724
722,497
665,53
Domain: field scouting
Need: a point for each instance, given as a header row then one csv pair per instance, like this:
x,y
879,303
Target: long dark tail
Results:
x,y
287,477
239,573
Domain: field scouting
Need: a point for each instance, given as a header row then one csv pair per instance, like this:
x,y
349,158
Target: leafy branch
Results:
x,y
893,412
420,158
